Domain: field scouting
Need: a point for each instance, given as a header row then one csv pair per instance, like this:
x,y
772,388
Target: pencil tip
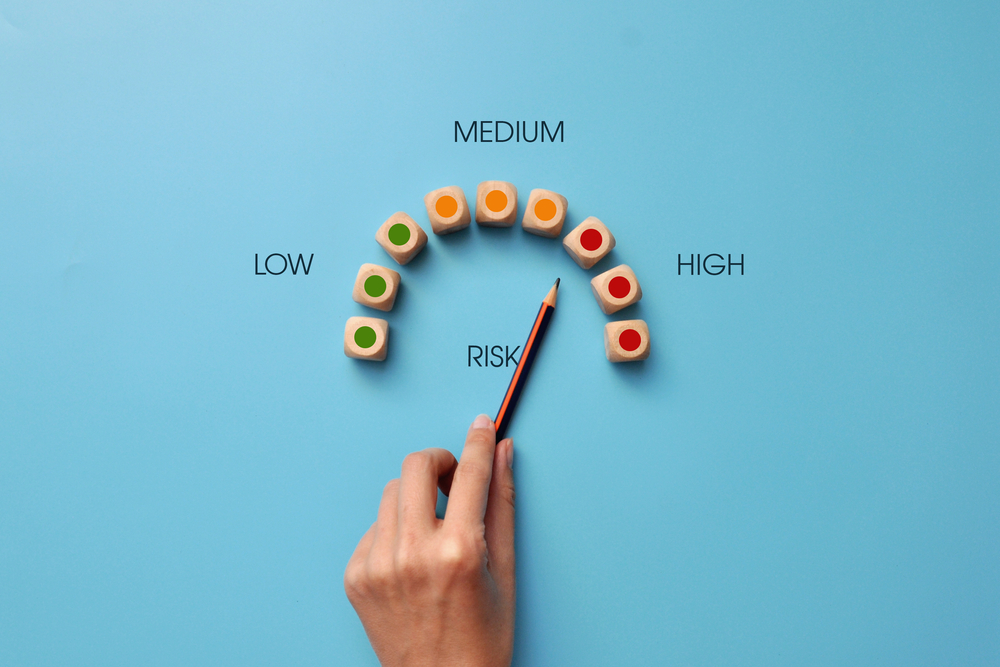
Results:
x,y
550,298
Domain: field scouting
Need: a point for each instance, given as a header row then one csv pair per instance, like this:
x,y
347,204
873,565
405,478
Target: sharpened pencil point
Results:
x,y
553,294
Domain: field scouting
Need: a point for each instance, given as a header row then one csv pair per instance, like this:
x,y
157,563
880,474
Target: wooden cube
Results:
x,y
544,214
401,237
496,204
589,242
366,338
616,288
447,210
376,287
626,340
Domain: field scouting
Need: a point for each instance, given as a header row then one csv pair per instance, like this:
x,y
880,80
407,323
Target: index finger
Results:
x,y
471,484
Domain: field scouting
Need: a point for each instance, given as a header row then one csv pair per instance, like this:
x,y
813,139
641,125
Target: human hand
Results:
x,y
435,591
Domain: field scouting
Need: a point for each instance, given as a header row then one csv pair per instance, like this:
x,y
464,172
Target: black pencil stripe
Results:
x,y
527,359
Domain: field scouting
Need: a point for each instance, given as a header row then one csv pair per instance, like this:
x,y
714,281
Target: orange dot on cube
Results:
x,y
545,210
544,214
496,201
496,204
447,210
446,206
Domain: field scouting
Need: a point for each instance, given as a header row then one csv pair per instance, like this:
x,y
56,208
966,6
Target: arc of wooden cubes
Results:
x,y
496,206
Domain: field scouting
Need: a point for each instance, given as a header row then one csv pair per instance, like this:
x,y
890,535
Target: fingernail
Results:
x,y
482,421
510,453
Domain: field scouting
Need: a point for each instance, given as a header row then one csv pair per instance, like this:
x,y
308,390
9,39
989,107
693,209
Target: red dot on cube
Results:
x,y
630,339
619,287
591,239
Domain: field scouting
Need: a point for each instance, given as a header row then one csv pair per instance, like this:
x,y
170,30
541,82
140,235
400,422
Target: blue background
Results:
x,y
805,471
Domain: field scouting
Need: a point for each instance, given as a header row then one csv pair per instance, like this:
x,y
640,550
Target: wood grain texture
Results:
x,y
506,216
534,224
384,301
581,255
612,341
407,251
606,298
442,224
376,352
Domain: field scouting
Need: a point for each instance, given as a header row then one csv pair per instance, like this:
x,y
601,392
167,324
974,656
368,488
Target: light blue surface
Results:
x,y
804,472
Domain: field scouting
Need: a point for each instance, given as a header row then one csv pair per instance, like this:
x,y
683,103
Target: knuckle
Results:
x,y
481,437
381,574
461,557
416,462
438,453
355,581
507,493
410,564
474,472
391,487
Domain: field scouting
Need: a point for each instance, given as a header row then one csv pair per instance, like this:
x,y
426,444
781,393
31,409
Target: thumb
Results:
x,y
499,519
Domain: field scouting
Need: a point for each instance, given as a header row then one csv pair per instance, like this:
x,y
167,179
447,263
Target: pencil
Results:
x,y
527,358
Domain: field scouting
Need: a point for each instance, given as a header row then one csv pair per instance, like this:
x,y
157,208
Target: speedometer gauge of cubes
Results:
x,y
376,286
